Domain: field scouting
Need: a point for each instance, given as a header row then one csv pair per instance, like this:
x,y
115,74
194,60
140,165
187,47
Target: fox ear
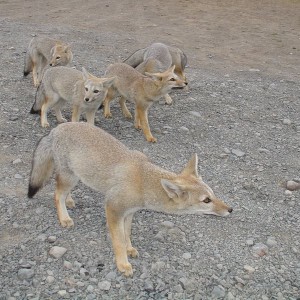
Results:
x,y
108,82
192,166
86,74
172,189
172,69
67,48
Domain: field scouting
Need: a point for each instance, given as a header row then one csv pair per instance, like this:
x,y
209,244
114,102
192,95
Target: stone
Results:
x,y
286,121
238,152
218,292
259,250
271,242
104,285
50,279
25,274
51,239
57,252
292,185
187,255
167,224
195,114
62,293
249,269
17,161
67,265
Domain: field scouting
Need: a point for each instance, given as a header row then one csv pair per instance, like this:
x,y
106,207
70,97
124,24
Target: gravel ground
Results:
x,y
244,124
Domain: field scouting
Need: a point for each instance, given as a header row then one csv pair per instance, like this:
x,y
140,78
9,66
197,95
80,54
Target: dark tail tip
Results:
x,y
35,112
32,190
26,73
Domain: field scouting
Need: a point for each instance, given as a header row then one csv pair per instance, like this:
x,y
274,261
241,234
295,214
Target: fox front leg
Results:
x,y
116,222
131,251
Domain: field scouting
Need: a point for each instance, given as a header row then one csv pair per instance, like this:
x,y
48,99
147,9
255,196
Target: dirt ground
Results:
x,y
241,114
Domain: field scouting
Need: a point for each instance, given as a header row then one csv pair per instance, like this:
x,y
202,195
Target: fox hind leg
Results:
x,y
65,182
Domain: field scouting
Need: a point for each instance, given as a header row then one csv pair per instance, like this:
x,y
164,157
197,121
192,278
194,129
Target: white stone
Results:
x,y
57,252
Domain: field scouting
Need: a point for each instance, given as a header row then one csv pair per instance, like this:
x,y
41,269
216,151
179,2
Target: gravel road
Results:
x,y
243,121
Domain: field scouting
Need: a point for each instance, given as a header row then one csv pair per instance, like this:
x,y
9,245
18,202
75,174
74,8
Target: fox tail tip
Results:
x,y
32,190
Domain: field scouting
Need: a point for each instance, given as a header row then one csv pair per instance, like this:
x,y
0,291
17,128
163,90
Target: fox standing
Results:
x,y
43,52
140,89
130,182
159,57
61,85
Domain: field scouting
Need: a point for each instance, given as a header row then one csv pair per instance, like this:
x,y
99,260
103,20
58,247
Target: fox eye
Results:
x,y
86,89
57,57
207,200
96,91
172,79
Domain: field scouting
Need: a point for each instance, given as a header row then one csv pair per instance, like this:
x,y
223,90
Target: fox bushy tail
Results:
x,y
27,64
42,165
39,99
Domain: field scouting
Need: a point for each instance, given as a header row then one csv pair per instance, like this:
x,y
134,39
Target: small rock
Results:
x,y
195,114
111,276
184,129
51,238
250,242
17,161
218,292
90,288
84,272
237,152
249,269
148,285
271,241
167,224
62,293
25,274
254,70
292,185
230,296
286,121
259,250
67,265
50,279
57,252
18,176
104,285
187,255
13,118
287,192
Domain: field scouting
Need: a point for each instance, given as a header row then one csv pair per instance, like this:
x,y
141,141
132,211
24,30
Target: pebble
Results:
x,y
271,242
292,185
50,279
90,288
25,274
62,293
238,152
195,114
104,285
286,121
57,252
249,269
184,129
18,176
167,224
187,255
148,285
67,265
13,118
17,161
218,292
250,242
51,239
259,250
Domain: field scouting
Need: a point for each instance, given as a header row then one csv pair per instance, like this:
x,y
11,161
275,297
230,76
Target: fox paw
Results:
x,y
132,252
126,269
108,115
45,124
67,222
151,139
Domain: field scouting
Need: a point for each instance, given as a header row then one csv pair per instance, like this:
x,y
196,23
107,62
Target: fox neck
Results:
x,y
155,197
154,89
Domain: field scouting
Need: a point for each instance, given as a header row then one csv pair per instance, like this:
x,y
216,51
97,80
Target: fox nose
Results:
x,y
230,209
51,65
86,99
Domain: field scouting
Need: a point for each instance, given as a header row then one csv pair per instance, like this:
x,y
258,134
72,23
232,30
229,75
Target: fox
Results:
x,y
60,85
141,89
43,52
158,57
128,179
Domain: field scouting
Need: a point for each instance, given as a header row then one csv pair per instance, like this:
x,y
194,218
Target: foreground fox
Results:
x,y
142,90
130,182
43,52
159,57
62,85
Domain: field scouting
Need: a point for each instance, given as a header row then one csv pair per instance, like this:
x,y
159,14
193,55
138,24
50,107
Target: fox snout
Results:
x,y
87,99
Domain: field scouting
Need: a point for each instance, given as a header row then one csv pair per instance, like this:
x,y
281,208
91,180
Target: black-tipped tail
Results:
x,y
32,190
35,112
25,73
